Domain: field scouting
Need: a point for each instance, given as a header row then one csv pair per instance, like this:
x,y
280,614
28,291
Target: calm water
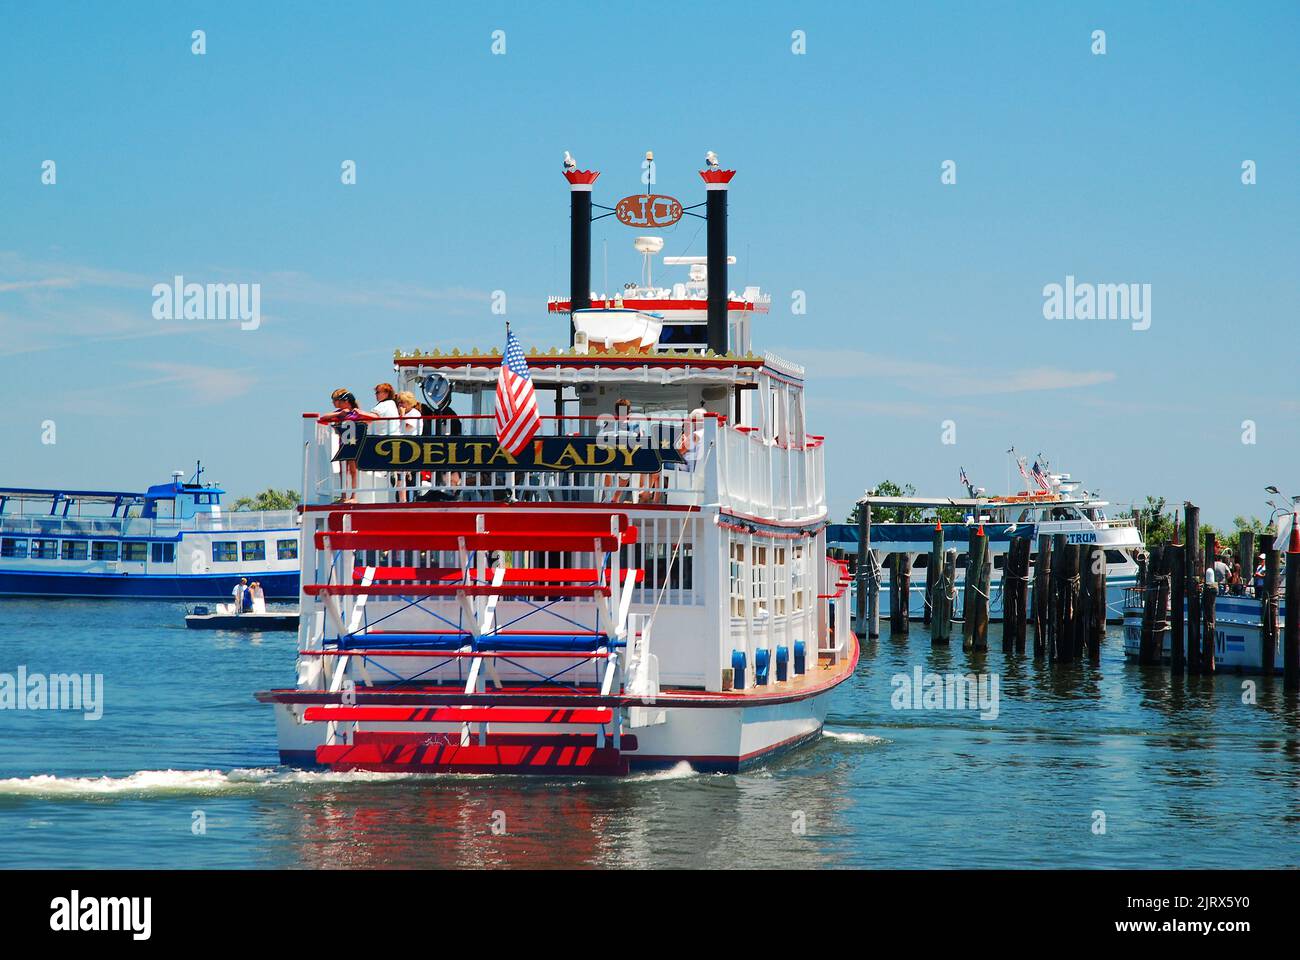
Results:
x,y
1185,774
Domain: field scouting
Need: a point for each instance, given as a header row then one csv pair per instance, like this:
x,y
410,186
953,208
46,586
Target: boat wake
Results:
x,y
851,736
152,783
680,771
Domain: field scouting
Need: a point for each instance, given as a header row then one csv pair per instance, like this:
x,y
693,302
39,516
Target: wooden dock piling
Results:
x,y
933,570
975,605
1015,595
1193,571
1291,626
1175,559
1042,581
1148,651
1097,621
863,577
1268,605
941,622
986,593
900,594
1057,636
1208,597
1246,556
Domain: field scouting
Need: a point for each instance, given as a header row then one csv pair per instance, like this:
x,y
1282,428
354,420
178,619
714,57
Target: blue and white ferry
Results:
x,y
172,542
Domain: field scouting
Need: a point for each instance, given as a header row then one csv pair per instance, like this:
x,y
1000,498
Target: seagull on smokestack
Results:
x,y
569,162
711,160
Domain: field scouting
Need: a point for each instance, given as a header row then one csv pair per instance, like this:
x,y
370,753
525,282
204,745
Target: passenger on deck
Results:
x,y
238,593
385,412
691,443
259,599
1222,573
410,426
629,433
1259,576
348,421
246,600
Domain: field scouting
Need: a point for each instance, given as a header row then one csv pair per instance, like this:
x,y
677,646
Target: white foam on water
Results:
x,y
679,771
852,736
164,782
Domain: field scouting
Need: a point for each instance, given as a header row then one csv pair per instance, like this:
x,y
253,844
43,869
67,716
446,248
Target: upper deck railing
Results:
x,y
708,462
164,528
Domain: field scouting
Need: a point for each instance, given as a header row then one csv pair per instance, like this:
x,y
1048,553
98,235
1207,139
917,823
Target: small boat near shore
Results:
x,y
225,617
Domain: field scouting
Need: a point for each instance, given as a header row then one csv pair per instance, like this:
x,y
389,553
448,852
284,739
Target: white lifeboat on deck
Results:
x,y
618,330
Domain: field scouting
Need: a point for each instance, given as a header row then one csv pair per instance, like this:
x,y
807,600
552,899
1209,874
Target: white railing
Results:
x,y
769,479
34,526
248,520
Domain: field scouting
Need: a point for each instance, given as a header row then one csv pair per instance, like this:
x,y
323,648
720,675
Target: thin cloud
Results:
x,y
943,379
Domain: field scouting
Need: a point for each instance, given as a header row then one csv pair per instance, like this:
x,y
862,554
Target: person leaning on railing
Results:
x,y
348,421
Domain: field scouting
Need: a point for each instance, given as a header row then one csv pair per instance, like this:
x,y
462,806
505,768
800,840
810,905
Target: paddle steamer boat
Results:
x,y
625,592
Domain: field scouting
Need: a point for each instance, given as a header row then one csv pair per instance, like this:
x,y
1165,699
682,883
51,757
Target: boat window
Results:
x,y
921,562
45,549
286,549
11,547
1116,556
737,578
780,580
797,580
254,549
961,561
999,561
758,576
75,549
135,551
163,552
225,551
103,550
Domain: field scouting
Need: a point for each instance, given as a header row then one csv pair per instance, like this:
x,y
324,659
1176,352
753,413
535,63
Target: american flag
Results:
x,y
517,416
1040,478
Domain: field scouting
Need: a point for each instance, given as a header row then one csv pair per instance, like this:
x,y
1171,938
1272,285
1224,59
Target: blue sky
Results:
x,y
924,300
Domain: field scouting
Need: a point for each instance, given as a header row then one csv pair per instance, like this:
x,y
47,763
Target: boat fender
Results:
x,y
738,661
782,663
762,660
799,657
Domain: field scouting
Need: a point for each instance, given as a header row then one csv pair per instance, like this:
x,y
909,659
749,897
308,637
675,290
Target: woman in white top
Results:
x,y
409,426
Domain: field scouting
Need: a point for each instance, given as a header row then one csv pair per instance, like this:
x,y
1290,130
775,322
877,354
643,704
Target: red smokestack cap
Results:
x,y
581,178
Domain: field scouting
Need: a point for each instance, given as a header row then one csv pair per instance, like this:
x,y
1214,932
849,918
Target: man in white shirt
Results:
x,y
238,594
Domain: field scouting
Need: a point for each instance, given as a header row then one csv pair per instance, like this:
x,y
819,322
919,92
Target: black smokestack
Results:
x,y
580,182
717,267
580,250
716,181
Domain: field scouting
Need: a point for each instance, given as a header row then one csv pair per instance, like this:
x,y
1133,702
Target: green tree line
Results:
x,y
270,499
